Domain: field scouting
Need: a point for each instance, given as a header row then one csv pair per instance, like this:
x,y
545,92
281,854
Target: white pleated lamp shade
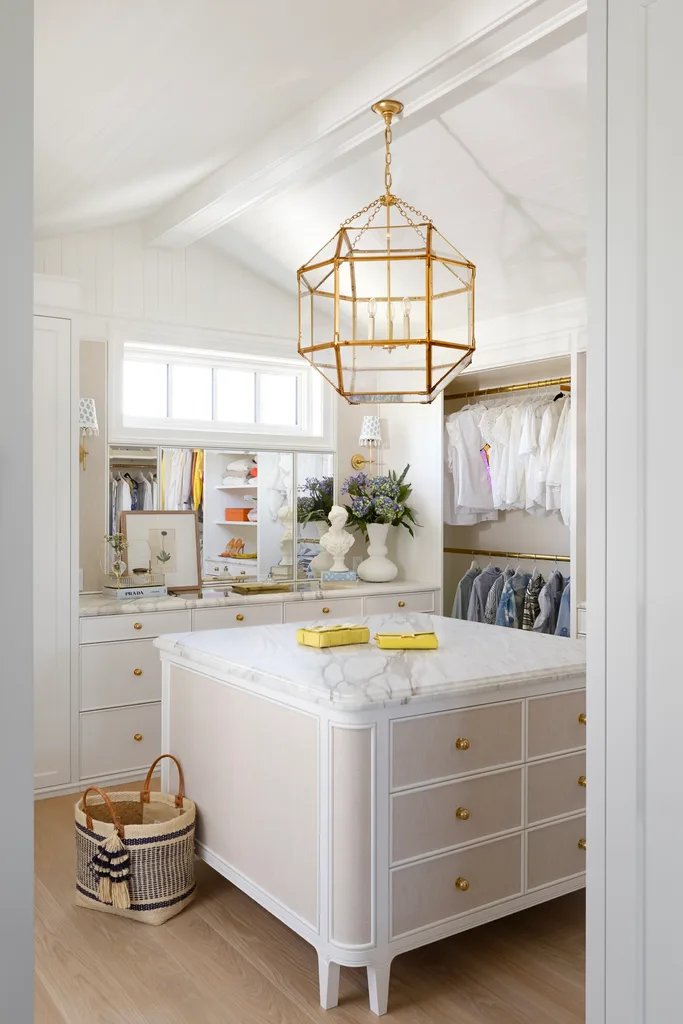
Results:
x,y
371,433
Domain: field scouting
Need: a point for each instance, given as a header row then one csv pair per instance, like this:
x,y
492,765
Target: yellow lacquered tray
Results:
x,y
407,641
333,636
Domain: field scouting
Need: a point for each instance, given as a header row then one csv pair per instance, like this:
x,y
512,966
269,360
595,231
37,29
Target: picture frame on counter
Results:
x,y
173,541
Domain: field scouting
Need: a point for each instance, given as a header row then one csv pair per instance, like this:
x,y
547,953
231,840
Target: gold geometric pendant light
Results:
x,y
386,308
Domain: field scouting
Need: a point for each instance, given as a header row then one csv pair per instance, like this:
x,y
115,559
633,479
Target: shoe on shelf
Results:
x,y
230,549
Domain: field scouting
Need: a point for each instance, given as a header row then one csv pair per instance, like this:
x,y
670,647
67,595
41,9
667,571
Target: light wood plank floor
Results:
x,y
224,960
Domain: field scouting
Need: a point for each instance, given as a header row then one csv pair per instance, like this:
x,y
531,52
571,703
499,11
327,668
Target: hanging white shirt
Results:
x,y
556,465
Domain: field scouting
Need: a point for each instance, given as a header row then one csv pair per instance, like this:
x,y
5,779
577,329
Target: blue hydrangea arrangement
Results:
x,y
316,499
379,499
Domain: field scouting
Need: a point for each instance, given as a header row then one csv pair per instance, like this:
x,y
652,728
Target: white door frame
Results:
x,y
635,364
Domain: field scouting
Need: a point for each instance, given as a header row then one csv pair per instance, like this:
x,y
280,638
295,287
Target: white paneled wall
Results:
x,y
199,286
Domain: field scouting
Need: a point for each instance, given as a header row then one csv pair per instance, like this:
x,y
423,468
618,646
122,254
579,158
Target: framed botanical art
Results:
x,y
165,542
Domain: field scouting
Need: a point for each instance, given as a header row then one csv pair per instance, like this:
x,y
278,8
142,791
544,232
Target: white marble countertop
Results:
x,y
100,604
472,659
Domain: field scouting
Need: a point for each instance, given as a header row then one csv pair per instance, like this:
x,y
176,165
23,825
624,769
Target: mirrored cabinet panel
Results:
x,y
261,513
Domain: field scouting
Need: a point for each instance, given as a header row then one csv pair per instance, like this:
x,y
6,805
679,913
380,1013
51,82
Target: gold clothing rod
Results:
x,y
559,382
520,555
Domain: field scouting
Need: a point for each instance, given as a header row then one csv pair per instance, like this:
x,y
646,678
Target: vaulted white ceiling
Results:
x,y
136,101
247,125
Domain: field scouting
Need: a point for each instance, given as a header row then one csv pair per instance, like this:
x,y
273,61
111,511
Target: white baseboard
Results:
x,y
78,787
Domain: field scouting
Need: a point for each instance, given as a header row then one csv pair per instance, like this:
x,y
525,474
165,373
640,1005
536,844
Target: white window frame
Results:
x,y
315,427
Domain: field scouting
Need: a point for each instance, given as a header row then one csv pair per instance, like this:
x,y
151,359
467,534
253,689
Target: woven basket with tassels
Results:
x,y
135,851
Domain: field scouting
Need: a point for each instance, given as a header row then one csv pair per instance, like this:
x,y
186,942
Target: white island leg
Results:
x,y
378,988
328,973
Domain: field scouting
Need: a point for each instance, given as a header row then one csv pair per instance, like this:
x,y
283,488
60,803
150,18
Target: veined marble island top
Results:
x,y
472,659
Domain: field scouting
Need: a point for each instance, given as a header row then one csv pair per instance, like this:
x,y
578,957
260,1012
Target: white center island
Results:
x,y
376,801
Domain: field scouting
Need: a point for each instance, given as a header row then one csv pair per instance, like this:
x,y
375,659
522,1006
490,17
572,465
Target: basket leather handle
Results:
x,y
114,816
144,794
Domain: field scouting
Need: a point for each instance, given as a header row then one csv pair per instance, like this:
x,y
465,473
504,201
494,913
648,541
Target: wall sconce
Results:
x,y
370,437
87,424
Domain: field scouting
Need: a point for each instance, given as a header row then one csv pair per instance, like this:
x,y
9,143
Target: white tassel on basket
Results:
x,y
112,866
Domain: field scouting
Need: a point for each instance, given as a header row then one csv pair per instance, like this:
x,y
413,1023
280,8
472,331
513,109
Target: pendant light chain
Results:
x,y
387,156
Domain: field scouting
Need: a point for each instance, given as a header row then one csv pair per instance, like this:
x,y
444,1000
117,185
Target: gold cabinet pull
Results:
x,y
326,611
582,781
582,844
240,617
401,604
137,671
462,814
583,719
137,625
137,737
462,744
462,885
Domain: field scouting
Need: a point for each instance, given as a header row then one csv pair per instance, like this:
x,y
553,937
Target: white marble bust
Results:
x,y
337,541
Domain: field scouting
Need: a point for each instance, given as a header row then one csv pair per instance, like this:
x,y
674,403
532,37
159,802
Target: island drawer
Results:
x,y
432,747
556,852
113,675
237,615
425,821
314,611
556,787
431,891
120,740
97,629
385,604
556,723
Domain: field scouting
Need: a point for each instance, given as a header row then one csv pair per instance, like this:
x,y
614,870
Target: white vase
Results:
x,y
377,568
323,560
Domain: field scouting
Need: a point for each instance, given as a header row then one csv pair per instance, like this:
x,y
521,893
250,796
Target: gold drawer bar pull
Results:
x,y
462,885
582,844
582,781
462,814
137,625
137,671
462,744
582,719
137,737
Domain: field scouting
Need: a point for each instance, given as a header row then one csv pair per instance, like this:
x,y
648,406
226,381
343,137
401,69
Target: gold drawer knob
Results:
x,y
240,618
582,844
462,744
137,625
462,814
462,885
137,671
326,611
583,719
582,781
137,737
401,604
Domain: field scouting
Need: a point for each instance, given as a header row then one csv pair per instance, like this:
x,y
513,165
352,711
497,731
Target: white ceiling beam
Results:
x,y
440,57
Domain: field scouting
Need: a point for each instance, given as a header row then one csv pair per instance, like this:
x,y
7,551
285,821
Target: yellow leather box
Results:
x,y
333,636
407,641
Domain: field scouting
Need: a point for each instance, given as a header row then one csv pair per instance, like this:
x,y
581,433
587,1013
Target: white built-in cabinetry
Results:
x,y
53,469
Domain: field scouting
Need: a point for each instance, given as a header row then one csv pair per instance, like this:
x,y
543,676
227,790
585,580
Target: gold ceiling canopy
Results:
x,y
386,307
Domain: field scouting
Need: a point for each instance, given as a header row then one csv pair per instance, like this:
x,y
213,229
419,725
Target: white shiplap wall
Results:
x,y
122,279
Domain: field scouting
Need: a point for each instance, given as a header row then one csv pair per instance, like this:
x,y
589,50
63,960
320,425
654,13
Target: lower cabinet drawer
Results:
x,y
556,723
120,740
431,891
314,611
556,788
99,629
432,747
555,852
425,821
243,615
113,675
388,603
